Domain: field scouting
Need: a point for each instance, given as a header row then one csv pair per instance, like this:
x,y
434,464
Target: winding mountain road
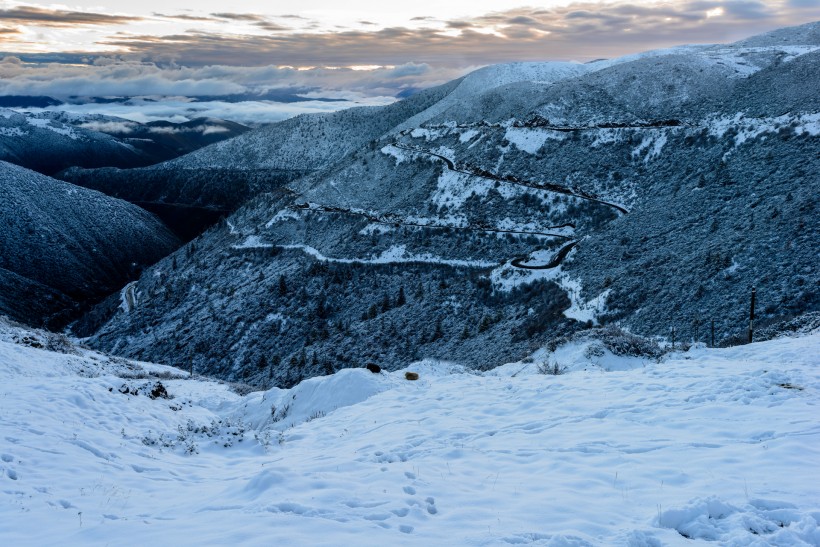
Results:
x,y
476,172
554,262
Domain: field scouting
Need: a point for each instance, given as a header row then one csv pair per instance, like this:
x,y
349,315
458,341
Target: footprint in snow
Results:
x,y
400,512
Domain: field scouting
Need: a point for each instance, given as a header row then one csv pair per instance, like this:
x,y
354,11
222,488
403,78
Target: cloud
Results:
x,y
273,27
115,127
184,17
178,111
212,129
576,31
118,77
28,15
522,20
239,16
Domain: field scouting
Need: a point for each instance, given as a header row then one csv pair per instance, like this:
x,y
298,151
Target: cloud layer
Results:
x,y
580,30
119,77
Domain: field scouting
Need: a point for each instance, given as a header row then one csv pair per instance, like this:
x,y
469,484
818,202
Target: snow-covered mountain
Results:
x,y
158,140
653,190
63,245
48,145
710,446
49,142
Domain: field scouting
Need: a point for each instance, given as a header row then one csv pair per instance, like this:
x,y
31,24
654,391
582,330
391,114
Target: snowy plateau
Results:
x,y
704,447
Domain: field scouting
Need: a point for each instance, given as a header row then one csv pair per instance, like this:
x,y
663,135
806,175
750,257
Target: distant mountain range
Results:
x,y
49,142
481,219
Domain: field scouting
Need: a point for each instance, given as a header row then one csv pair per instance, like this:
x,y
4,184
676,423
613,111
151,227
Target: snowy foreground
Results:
x,y
706,446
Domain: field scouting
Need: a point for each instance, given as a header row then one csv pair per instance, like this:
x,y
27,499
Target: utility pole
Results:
x,y
752,316
713,333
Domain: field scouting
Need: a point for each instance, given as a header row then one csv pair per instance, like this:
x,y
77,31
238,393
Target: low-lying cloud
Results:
x,y
116,77
180,110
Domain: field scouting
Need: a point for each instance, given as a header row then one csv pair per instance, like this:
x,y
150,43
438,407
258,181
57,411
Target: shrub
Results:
x,y
551,369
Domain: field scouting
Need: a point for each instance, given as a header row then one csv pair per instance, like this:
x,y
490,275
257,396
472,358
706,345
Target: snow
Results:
x,y
396,254
453,188
467,136
429,134
399,154
752,128
714,445
128,297
740,59
493,76
51,125
652,145
507,277
11,132
253,242
375,228
284,215
531,140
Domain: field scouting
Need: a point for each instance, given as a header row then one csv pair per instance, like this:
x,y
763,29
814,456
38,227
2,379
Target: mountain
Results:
x,y
48,146
27,101
49,142
158,140
652,191
63,246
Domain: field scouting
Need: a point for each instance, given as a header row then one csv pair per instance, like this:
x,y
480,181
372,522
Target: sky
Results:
x,y
369,51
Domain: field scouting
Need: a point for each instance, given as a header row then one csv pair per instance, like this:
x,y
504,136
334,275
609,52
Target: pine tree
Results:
x,y
401,300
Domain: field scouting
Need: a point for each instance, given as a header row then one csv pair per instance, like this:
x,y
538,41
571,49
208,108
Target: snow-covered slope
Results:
x,y
472,87
704,447
66,243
